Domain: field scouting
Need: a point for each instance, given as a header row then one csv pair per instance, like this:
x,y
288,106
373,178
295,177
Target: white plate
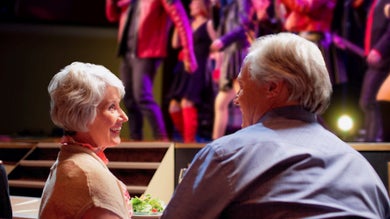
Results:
x,y
143,216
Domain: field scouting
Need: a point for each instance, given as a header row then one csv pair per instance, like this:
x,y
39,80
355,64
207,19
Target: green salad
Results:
x,y
146,204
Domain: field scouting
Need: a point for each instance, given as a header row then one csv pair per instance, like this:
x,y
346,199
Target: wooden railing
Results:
x,y
134,163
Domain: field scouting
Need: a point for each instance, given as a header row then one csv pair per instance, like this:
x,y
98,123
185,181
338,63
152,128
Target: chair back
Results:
x,y
5,203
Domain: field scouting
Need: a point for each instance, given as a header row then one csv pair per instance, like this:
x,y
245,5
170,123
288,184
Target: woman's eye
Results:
x,y
112,107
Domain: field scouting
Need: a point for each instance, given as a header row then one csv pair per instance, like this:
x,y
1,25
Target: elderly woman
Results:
x,y
85,102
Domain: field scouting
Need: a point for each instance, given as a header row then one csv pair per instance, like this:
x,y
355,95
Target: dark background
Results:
x,y
74,12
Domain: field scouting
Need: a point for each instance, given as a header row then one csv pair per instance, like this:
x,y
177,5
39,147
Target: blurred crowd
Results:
x,y
206,46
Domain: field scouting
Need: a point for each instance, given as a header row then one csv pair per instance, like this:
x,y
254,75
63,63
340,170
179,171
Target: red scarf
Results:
x,y
67,140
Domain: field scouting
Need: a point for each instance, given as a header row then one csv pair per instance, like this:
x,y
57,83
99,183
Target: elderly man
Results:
x,y
282,163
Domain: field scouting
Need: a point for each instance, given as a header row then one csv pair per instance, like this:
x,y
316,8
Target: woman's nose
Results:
x,y
123,116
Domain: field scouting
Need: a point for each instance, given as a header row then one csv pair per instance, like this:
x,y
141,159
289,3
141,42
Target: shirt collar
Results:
x,y
290,112
68,140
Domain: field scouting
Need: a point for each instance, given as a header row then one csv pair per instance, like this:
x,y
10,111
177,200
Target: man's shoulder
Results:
x,y
254,135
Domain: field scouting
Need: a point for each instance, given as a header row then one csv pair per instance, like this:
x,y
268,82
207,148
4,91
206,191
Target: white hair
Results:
x,y
75,93
295,60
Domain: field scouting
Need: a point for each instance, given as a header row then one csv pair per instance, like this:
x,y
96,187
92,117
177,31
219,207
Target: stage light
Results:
x,y
345,123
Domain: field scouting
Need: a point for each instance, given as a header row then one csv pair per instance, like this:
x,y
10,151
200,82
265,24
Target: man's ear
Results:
x,y
274,88
387,10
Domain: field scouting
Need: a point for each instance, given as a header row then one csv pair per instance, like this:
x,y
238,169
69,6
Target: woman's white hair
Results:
x,y
75,93
295,60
